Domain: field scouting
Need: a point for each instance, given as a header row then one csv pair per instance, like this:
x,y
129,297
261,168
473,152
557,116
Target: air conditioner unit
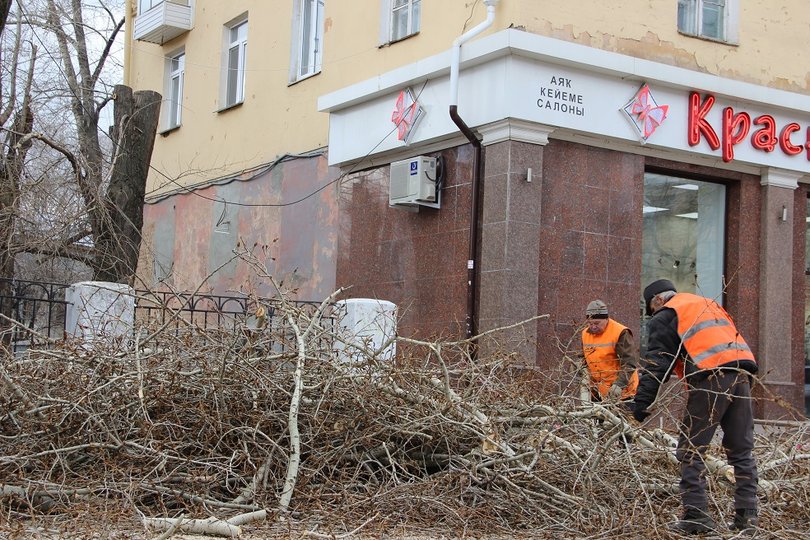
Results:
x,y
413,182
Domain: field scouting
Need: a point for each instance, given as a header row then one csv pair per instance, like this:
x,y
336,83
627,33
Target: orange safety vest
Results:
x,y
707,332
603,363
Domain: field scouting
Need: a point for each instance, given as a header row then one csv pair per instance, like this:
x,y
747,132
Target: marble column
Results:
x,y
510,234
776,293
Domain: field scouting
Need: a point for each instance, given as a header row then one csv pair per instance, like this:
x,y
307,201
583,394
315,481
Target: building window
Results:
x,y
683,237
712,19
401,18
146,5
177,70
307,38
236,55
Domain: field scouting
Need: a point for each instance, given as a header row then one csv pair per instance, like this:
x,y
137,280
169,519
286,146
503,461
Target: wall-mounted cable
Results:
x,y
265,169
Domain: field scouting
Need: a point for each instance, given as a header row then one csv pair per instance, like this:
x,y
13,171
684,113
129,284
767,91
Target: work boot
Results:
x,y
745,519
694,521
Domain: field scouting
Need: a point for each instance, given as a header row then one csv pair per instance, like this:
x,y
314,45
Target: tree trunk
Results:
x,y
117,233
7,212
10,171
5,8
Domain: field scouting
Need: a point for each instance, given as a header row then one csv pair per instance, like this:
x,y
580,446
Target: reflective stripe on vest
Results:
x,y
707,332
603,362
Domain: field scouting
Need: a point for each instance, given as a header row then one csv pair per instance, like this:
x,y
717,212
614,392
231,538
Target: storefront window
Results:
x,y
684,234
683,237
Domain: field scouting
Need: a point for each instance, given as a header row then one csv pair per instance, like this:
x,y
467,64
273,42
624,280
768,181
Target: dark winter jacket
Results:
x,y
663,348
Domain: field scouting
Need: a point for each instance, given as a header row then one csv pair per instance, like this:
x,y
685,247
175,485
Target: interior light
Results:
x,y
689,215
653,209
690,187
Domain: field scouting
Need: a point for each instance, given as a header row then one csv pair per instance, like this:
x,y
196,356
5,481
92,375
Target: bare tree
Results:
x,y
16,121
95,187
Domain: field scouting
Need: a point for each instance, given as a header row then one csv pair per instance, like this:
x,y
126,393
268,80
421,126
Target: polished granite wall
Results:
x,y
591,239
547,247
415,260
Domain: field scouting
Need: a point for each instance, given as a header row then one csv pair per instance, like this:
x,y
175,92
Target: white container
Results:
x,y
364,325
99,313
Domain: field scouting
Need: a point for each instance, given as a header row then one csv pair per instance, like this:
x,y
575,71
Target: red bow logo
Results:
x,y
645,114
406,112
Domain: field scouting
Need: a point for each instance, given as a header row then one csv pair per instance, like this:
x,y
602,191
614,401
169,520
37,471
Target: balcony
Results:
x,y
163,22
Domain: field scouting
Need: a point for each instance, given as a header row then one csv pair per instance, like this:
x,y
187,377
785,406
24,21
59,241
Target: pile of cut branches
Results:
x,y
224,432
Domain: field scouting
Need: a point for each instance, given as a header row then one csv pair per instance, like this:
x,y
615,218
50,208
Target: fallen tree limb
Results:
x,y
38,500
211,526
249,517
283,427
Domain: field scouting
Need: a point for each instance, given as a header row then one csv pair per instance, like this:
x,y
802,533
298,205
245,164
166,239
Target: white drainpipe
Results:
x,y
472,259
456,51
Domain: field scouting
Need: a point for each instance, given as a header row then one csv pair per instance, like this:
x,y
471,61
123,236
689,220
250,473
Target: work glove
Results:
x,y
640,412
615,393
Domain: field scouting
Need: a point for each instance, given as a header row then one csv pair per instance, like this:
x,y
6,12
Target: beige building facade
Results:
x,y
580,149
766,50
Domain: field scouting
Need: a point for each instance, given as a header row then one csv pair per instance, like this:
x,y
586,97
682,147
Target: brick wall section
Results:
x,y
184,232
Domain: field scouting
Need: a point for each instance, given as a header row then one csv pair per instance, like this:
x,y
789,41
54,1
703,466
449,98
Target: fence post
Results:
x,y
99,313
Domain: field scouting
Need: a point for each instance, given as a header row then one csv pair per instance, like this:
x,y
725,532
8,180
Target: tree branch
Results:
x,y
104,54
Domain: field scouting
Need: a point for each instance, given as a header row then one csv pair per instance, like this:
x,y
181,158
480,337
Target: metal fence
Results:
x,y
181,313
33,313
181,310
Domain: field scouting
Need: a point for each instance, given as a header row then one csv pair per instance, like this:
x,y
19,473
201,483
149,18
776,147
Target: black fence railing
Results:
x,y
31,312
34,313
181,312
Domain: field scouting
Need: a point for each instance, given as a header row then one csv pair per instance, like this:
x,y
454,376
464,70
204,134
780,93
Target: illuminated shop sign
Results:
x,y
521,98
766,135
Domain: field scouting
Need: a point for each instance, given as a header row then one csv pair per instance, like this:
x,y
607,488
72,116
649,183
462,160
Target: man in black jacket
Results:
x,y
695,337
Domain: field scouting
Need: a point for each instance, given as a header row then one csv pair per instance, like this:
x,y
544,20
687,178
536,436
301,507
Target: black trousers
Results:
x,y
721,399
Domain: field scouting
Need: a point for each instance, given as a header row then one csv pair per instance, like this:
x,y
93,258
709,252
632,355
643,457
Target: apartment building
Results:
x,y
482,162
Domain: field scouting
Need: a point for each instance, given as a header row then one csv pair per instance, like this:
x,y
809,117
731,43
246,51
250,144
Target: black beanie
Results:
x,y
657,287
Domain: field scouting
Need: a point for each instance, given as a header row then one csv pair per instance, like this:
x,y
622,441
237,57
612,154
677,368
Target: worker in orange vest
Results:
x,y
610,355
695,337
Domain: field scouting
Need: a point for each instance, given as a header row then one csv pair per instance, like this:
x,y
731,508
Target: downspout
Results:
x,y
472,257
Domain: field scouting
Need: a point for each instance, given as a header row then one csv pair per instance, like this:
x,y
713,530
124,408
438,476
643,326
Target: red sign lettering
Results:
x,y
765,138
698,123
784,140
735,128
